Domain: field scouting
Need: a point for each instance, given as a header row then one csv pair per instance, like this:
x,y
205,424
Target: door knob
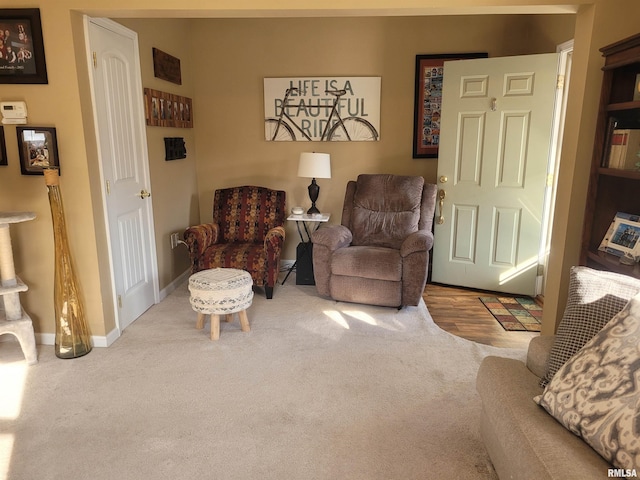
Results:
x,y
441,195
144,194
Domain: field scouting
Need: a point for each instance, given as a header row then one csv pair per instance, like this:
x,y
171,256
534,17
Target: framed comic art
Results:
x,y
428,101
38,148
21,46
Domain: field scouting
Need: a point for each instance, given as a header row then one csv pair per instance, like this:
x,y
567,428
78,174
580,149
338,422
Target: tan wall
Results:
x,y
235,56
63,103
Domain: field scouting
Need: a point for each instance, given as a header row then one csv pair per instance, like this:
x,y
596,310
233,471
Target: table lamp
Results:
x,y
314,165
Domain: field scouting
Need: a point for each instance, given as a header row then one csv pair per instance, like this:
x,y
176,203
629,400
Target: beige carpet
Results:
x,y
316,390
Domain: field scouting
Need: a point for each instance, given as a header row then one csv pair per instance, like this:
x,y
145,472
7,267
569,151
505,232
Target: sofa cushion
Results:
x,y
596,394
386,208
523,440
595,297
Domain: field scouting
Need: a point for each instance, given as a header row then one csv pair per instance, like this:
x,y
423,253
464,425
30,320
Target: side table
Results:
x,y
305,224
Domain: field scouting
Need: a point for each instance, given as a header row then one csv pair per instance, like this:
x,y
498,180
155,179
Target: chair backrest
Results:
x,y
247,213
382,210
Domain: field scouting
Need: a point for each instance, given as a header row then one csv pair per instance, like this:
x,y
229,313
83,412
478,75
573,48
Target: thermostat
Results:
x,y
13,112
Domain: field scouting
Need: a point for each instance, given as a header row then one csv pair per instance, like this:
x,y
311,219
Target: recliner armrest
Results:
x,y
332,236
538,354
199,237
420,241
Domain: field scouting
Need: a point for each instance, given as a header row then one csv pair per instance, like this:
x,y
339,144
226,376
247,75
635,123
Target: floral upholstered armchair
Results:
x,y
379,255
247,233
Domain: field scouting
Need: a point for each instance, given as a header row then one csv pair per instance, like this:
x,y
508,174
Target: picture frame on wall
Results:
x,y
428,100
22,47
38,148
3,149
164,109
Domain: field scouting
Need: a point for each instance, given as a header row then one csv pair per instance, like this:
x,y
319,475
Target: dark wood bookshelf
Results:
x,y
613,190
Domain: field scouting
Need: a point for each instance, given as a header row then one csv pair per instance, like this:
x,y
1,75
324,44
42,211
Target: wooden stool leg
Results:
x,y
215,326
228,317
244,321
200,322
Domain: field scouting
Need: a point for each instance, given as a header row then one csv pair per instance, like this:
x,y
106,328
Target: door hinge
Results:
x,y
108,187
550,180
119,301
95,60
540,270
560,83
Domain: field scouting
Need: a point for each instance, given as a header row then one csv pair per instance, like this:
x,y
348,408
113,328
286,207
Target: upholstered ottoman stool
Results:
x,y
221,291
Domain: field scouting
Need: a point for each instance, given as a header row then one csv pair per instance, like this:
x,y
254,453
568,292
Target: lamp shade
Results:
x,y
314,165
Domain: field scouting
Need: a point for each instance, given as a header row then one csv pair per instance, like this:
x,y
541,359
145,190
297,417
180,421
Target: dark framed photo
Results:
x,y
428,101
21,46
3,148
38,148
164,109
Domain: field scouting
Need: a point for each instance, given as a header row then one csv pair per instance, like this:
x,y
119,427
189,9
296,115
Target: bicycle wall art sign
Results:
x,y
428,101
329,109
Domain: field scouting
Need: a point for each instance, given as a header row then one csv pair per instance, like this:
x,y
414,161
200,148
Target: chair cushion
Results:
x,y
595,297
386,208
243,256
245,214
368,262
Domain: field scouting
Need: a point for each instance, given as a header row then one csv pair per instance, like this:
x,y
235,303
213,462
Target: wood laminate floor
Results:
x,y
460,312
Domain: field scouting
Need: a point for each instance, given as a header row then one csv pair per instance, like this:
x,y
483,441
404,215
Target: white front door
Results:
x,y
496,125
120,124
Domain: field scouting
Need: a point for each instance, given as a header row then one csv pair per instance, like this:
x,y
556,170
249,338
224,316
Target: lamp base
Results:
x,y
314,191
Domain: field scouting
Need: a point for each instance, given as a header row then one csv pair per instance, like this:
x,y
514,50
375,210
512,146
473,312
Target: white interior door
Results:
x,y
120,124
496,126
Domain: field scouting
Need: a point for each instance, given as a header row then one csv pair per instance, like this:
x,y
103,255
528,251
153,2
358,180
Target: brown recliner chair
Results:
x,y
379,255
247,233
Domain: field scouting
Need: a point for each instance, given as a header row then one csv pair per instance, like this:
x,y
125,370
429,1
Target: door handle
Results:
x,y
441,195
144,194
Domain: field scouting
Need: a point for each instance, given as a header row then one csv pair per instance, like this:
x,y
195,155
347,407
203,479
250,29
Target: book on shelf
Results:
x,y
624,147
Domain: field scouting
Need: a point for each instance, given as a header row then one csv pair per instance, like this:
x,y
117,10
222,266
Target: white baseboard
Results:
x,y
164,293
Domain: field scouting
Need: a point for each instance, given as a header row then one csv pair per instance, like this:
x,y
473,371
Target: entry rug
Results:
x,y
515,313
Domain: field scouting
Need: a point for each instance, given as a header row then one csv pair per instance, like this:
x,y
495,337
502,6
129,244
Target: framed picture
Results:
x,y
21,46
164,109
623,236
428,101
38,148
3,148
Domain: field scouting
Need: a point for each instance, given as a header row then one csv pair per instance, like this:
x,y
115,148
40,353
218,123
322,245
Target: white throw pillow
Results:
x,y
596,393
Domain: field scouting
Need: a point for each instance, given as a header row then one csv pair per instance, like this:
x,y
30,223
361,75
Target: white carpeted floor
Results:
x,y
317,390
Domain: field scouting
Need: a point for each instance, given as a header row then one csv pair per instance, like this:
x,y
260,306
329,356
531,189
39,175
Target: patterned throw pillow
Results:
x,y
595,297
596,394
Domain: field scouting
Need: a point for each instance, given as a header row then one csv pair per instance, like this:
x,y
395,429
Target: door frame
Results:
x,y
562,92
120,29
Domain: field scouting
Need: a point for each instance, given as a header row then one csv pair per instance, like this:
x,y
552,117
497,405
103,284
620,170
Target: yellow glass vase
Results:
x,y
72,334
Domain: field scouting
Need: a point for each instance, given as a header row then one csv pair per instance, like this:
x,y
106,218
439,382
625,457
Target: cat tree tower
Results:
x,y
14,319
